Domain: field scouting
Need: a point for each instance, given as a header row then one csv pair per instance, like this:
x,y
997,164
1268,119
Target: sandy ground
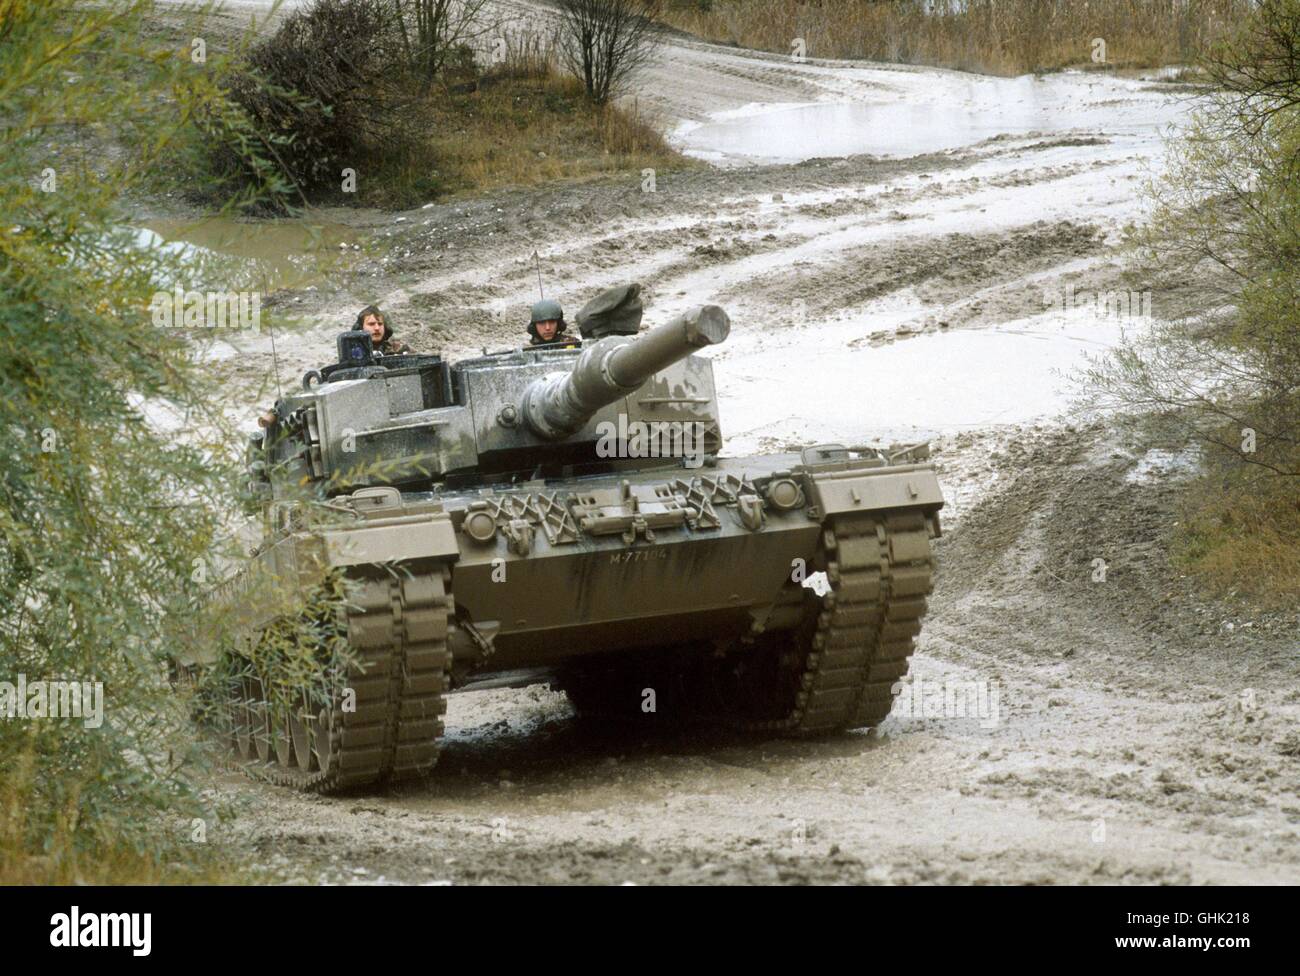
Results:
x,y
1141,735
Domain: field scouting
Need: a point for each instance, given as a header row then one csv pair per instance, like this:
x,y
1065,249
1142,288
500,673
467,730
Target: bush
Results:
x,y
605,42
117,469
1227,218
322,94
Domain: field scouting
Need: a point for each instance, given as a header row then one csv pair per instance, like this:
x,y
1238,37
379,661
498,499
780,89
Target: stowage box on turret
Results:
x,y
565,515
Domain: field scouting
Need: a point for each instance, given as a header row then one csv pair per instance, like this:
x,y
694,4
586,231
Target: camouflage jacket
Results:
x,y
393,346
561,339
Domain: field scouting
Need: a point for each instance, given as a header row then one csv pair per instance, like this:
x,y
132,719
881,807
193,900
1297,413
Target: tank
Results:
x,y
566,516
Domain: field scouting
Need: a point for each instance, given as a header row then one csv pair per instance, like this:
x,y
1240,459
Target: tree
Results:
x,y
319,94
117,467
1226,227
1228,212
605,42
433,30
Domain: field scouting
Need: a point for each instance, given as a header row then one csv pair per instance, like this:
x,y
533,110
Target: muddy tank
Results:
x,y
566,516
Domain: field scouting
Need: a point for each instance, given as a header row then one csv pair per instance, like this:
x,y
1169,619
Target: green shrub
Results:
x,y
117,467
322,94
1226,224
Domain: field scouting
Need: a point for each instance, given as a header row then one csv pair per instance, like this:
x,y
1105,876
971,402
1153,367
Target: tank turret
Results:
x,y
414,421
557,405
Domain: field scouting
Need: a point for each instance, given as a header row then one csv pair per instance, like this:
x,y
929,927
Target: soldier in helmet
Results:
x,y
371,320
547,327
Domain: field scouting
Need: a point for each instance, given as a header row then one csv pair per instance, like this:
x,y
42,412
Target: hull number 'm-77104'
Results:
x,y
638,555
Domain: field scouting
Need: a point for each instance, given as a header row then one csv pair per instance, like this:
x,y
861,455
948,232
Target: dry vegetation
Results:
x,y
1241,536
993,36
521,126
341,87
1226,214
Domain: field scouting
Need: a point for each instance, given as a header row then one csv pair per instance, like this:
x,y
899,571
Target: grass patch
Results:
x,y
1002,37
517,131
123,866
1241,535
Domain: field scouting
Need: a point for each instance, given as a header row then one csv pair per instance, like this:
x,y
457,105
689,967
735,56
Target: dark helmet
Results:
x,y
544,311
383,317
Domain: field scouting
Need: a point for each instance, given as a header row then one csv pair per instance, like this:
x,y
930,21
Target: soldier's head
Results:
x,y
374,323
546,321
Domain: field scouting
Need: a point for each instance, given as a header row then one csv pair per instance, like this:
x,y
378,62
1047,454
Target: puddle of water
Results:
x,y
263,256
915,388
789,134
944,115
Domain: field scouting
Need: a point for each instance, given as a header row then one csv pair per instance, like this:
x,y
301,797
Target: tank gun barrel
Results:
x,y
556,405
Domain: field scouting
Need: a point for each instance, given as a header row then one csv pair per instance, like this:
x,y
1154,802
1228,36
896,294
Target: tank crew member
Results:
x,y
547,326
375,322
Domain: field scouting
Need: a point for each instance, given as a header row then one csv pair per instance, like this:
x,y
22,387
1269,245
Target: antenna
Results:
x,y
537,263
275,360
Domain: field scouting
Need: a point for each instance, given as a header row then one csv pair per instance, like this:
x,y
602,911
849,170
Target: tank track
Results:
x,y
397,628
880,571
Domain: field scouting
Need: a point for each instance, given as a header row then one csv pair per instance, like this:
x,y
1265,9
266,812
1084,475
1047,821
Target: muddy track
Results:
x,y
770,239
1126,745
805,245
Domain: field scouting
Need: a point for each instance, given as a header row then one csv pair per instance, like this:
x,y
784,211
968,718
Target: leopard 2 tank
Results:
x,y
566,516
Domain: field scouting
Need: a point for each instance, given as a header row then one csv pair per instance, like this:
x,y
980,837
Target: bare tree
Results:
x,y
432,30
604,42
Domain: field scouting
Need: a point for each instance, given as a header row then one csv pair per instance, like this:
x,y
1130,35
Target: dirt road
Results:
x,y
1128,731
